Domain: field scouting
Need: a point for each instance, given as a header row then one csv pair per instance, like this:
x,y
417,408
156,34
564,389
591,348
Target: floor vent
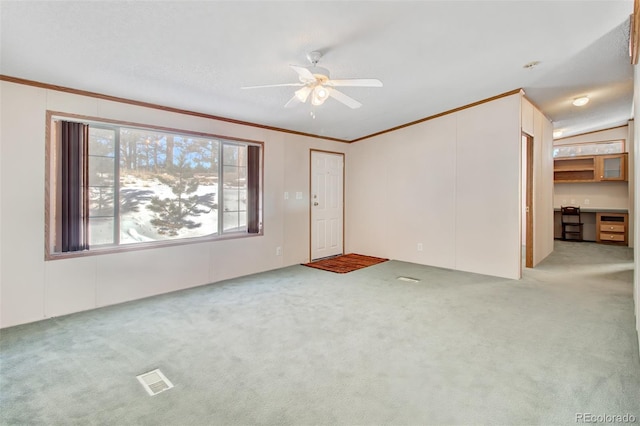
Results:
x,y
154,382
409,279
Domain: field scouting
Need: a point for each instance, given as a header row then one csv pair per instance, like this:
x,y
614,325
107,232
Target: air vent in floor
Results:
x,y
154,382
409,279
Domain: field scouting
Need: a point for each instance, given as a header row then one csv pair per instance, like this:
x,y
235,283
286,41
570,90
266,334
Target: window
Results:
x,y
590,148
144,185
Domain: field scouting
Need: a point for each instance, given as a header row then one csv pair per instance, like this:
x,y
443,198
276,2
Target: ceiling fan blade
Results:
x,y
356,82
273,85
292,102
299,97
341,97
304,74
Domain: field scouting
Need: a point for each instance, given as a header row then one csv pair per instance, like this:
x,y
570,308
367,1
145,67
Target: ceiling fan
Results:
x,y
315,83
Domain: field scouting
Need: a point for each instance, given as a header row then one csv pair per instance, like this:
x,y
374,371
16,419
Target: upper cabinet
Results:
x,y
612,167
590,168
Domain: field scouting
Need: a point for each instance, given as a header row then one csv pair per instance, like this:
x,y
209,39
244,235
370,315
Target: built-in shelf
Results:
x,y
590,168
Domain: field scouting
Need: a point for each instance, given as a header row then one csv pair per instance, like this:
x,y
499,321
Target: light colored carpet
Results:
x,y
301,346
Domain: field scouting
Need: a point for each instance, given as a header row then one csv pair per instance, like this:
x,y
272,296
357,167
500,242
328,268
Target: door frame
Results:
x,y
344,166
529,200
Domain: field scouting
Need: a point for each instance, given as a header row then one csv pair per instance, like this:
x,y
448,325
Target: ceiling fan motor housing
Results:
x,y
319,71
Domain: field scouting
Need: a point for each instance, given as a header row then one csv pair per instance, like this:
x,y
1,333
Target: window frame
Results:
x,y
51,188
577,145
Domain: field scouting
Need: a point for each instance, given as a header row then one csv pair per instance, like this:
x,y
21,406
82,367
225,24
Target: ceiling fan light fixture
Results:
x,y
320,94
303,94
581,101
314,82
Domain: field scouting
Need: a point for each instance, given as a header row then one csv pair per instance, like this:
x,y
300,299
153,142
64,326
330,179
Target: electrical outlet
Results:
x,y
278,251
573,201
586,201
420,247
298,195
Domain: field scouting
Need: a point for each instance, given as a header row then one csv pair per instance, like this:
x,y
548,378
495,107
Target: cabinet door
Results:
x,y
612,167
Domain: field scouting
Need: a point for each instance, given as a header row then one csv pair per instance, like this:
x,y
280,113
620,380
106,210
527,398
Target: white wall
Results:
x,y
537,125
32,289
636,179
543,188
401,190
523,191
603,195
631,148
451,183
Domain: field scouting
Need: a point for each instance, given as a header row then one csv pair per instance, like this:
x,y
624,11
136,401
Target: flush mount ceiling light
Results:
x,y
581,101
531,65
557,133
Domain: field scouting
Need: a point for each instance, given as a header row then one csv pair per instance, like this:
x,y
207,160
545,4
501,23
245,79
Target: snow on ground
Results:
x,y
135,226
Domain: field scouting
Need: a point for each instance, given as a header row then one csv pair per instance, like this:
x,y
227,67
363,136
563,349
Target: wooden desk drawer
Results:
x,y
611,228
605,236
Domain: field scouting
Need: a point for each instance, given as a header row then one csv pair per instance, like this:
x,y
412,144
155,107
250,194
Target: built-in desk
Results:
x,y
609,226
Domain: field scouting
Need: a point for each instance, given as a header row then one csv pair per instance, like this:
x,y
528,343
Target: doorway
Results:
x,y
326,198
527,198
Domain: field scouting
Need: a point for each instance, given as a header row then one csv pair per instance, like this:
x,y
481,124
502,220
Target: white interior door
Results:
x,y
327,204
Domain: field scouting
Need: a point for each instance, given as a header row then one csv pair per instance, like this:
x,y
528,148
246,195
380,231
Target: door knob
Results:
x,y
315,204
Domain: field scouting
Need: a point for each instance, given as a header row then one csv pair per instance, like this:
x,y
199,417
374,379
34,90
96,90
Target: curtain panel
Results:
x,y
73,187
253,189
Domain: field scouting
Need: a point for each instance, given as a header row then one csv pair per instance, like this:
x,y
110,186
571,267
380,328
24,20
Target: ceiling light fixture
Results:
x,y
531,65
557,133
581,101
302,94
320,94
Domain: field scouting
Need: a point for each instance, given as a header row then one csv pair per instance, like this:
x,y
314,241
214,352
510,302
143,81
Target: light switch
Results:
x,y
298,195
286,195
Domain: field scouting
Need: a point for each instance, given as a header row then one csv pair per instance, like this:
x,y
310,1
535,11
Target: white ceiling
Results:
x,y
432,56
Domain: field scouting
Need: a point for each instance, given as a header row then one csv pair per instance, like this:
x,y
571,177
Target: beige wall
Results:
x,y
636,180
401,191
537,125
32,289
620,132
451,184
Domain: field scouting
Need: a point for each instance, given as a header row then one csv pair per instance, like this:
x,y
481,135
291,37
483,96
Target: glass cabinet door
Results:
x,y
612,167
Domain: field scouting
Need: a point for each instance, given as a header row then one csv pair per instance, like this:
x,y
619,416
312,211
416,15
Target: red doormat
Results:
x,y
345,263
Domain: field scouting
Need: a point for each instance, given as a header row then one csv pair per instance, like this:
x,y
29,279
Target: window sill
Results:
x,y
100,250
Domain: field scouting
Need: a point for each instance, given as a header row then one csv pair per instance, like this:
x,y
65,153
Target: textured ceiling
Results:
x,y
432,56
